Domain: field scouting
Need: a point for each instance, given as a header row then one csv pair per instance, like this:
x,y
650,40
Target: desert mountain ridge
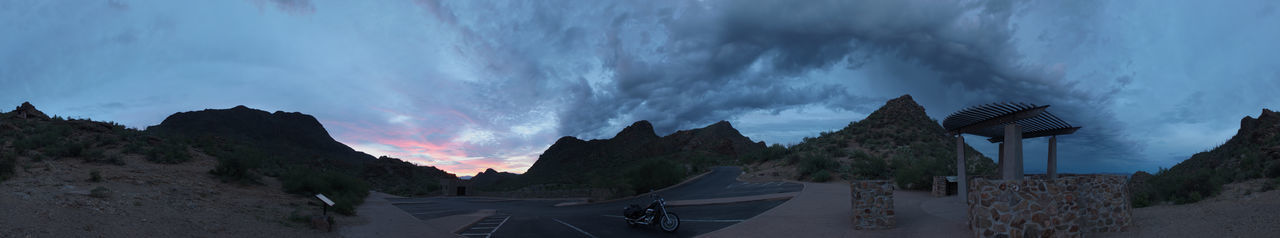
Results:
x,y
897,141
281,140
81,178
598,162
1252,153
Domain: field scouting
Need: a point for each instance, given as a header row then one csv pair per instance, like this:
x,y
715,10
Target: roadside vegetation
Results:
x,y
1203,176
897,142
246,165
1253,153
346,191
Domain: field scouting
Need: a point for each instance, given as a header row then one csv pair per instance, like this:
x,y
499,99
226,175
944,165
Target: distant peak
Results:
x,y
642,129
26,110
241,107
490,171
641,124
905,99
722,123
1268,113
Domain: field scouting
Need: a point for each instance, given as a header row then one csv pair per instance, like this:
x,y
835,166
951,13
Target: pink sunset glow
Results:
x,y
439,138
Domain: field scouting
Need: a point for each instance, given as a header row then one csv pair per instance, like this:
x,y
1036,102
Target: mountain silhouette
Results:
x,y
574,161
1254,152
294,139
897,141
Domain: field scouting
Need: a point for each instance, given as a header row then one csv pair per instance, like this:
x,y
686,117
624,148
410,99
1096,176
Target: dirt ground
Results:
x,y
54,198
1240,211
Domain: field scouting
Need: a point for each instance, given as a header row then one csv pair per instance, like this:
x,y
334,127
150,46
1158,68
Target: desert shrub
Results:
x,y
1271,184
866,167
653,174
1273,170
813,163
772,152
1140,199
133,147
346,191
1182,187
237,169
65,149
100,192
169,153
95,176
98,155
7,162
821,176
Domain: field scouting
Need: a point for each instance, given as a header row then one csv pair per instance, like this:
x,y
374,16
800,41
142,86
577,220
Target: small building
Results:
x,y
454,187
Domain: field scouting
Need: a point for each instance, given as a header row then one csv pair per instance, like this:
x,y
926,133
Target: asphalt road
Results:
x,y
540,218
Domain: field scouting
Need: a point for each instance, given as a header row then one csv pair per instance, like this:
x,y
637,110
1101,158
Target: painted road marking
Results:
x,y
492,228
575,228
687,220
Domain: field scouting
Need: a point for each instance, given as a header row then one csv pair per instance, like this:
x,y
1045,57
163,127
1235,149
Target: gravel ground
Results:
x,y
1241,211
54,198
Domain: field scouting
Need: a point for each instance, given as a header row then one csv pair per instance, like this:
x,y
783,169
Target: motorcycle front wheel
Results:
x,y
670,222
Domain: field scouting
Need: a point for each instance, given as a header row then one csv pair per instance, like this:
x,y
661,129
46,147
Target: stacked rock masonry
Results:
x,y
872,204
1065,207
939,186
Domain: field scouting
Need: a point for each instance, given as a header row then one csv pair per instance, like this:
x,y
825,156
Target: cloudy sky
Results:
x,y
469,85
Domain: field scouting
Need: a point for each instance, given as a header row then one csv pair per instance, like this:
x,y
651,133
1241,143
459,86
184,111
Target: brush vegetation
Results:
x,y
1254,152
898,142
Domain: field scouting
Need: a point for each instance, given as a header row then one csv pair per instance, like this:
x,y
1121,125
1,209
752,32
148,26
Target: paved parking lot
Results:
x,y
540,218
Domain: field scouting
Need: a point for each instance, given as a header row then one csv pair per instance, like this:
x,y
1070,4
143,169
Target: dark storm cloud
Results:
x,y
726,58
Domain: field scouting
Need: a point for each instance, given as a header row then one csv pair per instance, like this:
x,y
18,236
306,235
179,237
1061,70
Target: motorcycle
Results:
x,y
655,214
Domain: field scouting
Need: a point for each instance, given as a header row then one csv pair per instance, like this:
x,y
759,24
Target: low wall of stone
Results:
x,y
872,204
939,186
1067,206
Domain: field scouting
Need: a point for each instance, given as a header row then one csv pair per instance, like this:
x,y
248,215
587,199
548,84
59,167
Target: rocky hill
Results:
x,y
637,148
489,178
81,178
292,134
897,141
1254,152
275,144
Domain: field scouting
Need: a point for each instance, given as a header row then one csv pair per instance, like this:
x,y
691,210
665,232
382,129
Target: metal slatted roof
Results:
x,y
988,120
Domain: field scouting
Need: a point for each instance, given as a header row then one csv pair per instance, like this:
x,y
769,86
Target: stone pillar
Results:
x,y
962,187
1012,152
872,204
1000,161
1053,157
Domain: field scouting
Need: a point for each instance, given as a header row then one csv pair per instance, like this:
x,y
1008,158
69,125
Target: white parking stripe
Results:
x,y
688,220
694,220
495,229
575,228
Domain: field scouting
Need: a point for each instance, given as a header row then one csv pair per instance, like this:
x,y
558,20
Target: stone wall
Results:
x,y
872,204
939,186
1068,206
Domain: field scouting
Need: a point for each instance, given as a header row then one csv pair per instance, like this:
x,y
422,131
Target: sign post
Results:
x,y
327,203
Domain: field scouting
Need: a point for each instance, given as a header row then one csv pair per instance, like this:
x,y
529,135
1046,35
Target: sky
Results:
x,y
470,85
